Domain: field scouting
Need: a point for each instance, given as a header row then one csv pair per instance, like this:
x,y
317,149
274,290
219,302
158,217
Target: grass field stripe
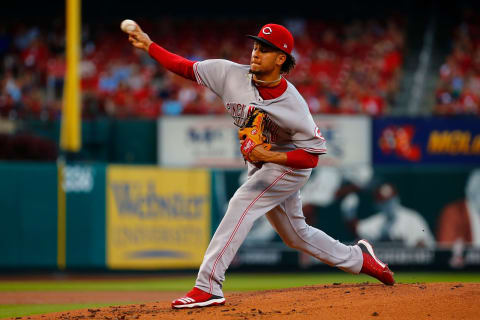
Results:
x,y
239,223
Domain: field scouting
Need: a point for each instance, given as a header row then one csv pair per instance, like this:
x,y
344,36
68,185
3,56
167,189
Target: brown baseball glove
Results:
x,y
252,133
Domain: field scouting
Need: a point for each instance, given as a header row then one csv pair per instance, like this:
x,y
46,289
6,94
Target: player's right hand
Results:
x,y
139,39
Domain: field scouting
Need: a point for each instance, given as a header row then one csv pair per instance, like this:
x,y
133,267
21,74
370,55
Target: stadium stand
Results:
x,y
458,87
347,68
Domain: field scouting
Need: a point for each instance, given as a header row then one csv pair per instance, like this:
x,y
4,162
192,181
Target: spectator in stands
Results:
x,y
351,68
459,76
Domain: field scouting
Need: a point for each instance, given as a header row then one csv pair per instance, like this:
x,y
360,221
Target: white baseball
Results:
x,y
128,25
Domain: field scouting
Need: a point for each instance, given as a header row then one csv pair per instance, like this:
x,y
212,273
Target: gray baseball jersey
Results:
x,y
273,189
289,124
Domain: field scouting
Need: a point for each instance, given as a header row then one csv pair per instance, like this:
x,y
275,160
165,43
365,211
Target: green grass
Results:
x,y
21,310
234,282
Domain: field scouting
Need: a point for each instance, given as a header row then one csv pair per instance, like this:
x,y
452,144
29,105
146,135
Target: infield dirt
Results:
x,y
335,301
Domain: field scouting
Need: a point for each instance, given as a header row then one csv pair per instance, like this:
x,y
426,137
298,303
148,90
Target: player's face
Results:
x,y
265,59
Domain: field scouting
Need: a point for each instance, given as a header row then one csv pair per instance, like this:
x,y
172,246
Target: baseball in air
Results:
x,y
128,25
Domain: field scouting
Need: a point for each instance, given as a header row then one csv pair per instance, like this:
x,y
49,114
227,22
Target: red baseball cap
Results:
x,y
276,36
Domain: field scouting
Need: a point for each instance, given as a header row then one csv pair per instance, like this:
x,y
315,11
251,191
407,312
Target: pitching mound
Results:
x,y
336,301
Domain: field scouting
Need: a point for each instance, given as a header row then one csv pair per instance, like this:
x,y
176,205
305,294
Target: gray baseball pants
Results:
x,y
272,190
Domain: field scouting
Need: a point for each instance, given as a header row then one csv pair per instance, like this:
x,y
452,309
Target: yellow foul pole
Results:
x,y
70,133
70,139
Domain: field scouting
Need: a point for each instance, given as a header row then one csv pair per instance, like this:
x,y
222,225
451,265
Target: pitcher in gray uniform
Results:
x,y
274,187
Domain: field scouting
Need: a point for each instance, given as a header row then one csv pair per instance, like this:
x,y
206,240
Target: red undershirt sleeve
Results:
x,y
172,62
300,159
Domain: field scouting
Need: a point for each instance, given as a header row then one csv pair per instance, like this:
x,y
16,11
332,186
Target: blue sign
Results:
x,y
426,140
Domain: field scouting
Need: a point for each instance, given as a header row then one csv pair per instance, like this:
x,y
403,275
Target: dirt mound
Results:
x,y
336,301
65,297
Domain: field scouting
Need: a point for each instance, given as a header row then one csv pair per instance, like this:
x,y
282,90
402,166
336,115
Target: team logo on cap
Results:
x,y
267,30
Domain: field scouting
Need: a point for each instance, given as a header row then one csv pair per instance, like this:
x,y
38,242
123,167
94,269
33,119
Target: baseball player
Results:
x,y
275,176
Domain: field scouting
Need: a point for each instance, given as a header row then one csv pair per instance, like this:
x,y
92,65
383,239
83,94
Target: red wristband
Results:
x,y
301,159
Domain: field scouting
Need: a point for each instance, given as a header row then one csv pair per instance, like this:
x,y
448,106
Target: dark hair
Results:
x,y
288,65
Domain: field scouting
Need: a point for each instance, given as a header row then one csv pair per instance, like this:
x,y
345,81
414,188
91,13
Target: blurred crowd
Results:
x,y
458,90
345,68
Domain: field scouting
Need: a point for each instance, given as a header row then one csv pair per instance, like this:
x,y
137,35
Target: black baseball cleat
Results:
x,y
373,266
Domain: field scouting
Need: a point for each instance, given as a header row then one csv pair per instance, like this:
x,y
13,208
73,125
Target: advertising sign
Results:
x,y
426,140
157,218
348,139
206,141
213,141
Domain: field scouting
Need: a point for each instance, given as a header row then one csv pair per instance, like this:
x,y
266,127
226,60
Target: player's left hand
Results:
x,y
259,154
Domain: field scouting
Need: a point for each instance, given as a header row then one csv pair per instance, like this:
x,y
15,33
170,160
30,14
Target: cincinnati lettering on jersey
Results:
x,y
240,113
271,129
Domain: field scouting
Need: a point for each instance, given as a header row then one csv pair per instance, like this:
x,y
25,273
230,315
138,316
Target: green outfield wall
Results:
x,y
28,210
85,210
108,140
147,217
